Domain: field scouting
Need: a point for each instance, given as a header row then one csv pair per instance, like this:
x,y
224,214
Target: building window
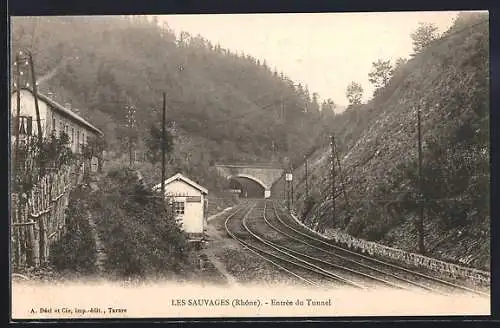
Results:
x,y
61,128
53,125
179,208
72,140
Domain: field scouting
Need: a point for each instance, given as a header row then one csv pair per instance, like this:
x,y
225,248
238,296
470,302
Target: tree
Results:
x,y
328,106
184,39
327,110
216,88
52,154
381,73
354,93
314,103
154,143
400,62
423,36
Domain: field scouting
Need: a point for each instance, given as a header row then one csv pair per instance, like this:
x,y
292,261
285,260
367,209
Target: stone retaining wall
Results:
x,y
372,248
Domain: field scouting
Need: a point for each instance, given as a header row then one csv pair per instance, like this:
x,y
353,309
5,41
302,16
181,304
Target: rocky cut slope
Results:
x,y
449,82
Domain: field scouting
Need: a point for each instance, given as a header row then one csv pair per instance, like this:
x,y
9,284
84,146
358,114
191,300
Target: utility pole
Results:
x,y
291,183
286,164
288,180
41,163
343,184
287,190
163,144
420,221
37,108
130,126
285,184
332,144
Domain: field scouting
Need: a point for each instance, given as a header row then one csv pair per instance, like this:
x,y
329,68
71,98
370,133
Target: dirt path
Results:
x,y
100,253
231,280
216,241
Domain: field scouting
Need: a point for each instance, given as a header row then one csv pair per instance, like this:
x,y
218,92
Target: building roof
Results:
x,y
63,110
179,176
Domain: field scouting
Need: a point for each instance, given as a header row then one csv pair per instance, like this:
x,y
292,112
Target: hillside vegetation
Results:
x,y
221,106
138,234
449,82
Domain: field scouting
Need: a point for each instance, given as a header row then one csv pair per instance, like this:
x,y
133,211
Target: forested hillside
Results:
x,y
221,106
448,81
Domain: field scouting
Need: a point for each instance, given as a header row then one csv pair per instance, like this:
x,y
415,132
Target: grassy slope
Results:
x,y
448,81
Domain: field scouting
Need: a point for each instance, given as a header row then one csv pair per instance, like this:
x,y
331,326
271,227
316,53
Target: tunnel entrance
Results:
x,y
246,187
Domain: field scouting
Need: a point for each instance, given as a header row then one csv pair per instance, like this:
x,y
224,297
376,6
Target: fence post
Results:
x,y
15,230
30,235
23,236
42,239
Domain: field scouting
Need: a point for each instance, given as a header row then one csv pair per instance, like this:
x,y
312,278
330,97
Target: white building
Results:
x,y
189,202
54,118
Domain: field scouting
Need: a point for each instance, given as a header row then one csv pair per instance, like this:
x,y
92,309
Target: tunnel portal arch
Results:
x,y
250,177
265,187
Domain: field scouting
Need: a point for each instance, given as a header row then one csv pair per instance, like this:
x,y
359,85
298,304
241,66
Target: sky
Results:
x,y
325,51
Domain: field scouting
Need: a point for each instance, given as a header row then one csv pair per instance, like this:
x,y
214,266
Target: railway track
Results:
x,y
372,278
317,262
398,275
375,278
303,270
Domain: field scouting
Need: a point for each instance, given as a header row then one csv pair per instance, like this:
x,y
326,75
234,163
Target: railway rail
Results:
x,y
374,275
285,261
262,253
303,256
400,273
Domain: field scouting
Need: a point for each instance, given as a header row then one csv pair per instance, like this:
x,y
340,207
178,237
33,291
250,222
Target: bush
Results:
x,y
139,235
309,204
76,251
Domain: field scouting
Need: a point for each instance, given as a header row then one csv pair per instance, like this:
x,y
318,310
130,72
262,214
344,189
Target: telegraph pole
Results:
x,y
163,144
41,163
288,195
343,184
332,143
288,181
420,223
284,185
37,109
291,184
